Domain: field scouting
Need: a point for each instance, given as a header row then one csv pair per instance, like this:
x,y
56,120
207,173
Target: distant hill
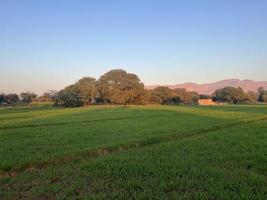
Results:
x,y
209,88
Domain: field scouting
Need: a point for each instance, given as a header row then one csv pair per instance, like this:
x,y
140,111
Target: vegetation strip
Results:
x,y
100,152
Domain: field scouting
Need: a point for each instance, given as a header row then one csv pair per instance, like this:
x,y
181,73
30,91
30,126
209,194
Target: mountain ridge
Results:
x,y
209,88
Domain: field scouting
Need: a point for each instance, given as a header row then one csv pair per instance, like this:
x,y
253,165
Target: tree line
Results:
x,y
123,88
23,98
26,98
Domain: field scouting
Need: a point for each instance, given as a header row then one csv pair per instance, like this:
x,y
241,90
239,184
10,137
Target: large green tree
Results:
x,y
88,90
262,95
119,87
183,96
2,98
231,95
161,95
69,97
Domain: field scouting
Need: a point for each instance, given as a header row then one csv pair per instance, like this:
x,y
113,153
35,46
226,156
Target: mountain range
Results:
x,y
209,88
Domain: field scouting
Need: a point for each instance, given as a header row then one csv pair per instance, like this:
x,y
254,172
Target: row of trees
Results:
x,y
164,95
26,98
261,95
23,98
119,87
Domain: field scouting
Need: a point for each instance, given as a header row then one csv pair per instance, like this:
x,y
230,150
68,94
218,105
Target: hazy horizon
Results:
x,y
48,45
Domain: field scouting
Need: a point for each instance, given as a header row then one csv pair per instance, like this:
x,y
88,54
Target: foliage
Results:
x,y
165,95
119,87
232,95
161,95
2,98
27,97
47,96
262,95
69,97
87,90
12,98
192,97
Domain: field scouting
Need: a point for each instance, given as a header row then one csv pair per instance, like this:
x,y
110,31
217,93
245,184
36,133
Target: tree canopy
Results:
x,y
119,87
87,89
27,97
69,97
2,98
12,98
262,95
232,95
161,95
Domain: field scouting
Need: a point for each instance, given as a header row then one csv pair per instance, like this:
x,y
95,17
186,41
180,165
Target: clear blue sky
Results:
x,y
49,44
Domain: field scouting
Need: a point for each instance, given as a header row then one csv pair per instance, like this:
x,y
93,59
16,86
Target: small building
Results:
x,y
206,102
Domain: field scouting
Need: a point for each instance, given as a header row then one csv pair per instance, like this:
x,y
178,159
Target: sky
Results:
x,y
49,44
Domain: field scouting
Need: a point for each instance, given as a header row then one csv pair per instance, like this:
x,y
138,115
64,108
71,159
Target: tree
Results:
x,y
27,97
143,98
176,100
252,96
119,87
165,95
161,95
182,96
87,89
2,98
12,98
231,95
191,98
47,96
262,95
68,97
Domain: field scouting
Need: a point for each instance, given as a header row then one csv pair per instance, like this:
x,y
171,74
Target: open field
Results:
x,y
133,152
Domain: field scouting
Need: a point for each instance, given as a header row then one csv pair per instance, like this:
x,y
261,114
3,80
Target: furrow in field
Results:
x,y
82,122
100,152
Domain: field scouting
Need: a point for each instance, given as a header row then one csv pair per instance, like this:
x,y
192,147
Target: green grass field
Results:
x,y
133,152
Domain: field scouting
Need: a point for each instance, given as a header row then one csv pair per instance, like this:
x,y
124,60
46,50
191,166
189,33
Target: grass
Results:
x,y
134,152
